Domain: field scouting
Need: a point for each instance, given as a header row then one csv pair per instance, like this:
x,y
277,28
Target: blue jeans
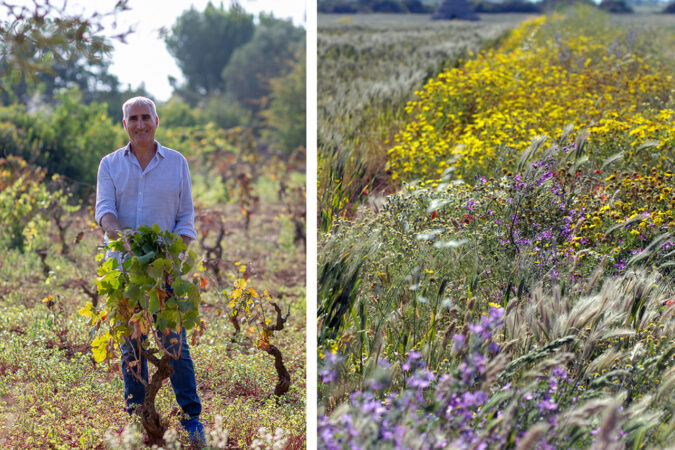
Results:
x,y
183,378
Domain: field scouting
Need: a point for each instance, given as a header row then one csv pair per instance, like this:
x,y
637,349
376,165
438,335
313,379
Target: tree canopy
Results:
x,y
266,56
203,43
35,38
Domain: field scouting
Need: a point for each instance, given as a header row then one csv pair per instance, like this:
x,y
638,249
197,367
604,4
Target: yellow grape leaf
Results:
x,y
86,310
264,340
99,347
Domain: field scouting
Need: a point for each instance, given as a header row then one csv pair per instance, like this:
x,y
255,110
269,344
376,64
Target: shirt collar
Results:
x,y
160,150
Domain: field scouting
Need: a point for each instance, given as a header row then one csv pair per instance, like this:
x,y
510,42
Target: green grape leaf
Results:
x,y
180,287
161,323
176,247
172,302
134,294
190,319
143,260
154,305
157,267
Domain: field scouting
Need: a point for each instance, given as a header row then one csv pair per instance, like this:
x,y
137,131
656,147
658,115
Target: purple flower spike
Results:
x,y
459,341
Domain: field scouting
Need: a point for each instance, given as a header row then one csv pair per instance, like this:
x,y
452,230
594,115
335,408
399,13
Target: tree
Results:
x,y
285,117
266,56
33,39
203,44
455,9
616,6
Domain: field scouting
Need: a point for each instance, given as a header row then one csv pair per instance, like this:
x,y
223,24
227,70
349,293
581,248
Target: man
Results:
x,y
144,183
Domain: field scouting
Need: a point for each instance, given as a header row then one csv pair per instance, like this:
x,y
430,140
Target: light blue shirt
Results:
x,y
161,194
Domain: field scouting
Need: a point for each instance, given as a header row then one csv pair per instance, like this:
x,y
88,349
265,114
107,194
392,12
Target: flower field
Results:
x,y
368,67
516,290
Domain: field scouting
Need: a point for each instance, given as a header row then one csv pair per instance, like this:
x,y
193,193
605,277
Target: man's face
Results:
x,y
141,124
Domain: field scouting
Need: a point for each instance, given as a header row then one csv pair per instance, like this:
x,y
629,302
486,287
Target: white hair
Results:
x,y
138,100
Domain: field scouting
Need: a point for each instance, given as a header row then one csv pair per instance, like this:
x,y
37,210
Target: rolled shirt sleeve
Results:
x,y
105,192
185,217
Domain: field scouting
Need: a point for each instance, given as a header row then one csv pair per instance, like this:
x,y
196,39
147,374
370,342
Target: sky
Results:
x,y
144,58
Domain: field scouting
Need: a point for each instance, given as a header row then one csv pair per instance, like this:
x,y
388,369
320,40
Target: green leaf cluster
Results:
x,y
25,197
143,291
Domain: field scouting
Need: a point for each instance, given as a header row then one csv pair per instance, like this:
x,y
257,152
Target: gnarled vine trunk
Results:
x,y
284,382
152,422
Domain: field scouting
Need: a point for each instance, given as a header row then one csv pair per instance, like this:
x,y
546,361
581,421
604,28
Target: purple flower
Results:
x,y
421,379
411,362
459,341
559,372
547,405
329,373
476,328
496,315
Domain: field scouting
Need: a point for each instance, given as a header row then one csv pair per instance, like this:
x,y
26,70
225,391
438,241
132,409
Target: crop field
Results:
x,y
368,67
250,227
509,284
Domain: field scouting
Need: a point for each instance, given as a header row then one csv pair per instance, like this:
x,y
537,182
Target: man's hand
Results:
x,y
125,239
114,231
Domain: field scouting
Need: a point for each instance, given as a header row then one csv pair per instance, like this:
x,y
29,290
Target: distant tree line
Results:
x,y
478,6
238,71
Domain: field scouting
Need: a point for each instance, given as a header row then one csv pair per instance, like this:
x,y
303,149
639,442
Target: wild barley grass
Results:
x,y
561,392
367,69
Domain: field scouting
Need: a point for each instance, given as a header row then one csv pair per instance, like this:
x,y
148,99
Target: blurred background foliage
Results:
x,y
60,107
242,104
